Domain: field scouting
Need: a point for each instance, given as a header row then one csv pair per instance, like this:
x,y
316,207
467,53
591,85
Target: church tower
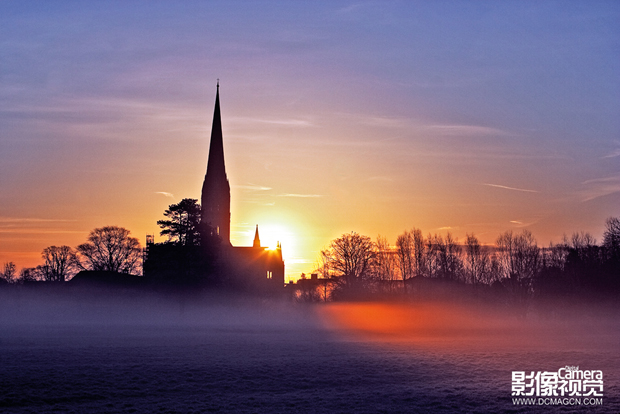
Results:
x,y
215,199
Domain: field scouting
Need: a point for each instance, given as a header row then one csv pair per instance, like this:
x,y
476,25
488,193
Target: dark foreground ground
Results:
x,y
149,354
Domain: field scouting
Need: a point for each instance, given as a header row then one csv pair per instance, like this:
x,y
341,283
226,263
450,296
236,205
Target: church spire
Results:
x,y
256,238
215,164
215,198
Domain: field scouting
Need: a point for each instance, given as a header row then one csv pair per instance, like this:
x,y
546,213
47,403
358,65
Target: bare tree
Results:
x,y
410,250
418,251
584,247
555,255
110,248
323,269
449,257
611,237
28,274
386,266
477,261
9,271
350,257
405,256
442,257
505,244
519,254
519,263
581,241
322,266
59,263
431,261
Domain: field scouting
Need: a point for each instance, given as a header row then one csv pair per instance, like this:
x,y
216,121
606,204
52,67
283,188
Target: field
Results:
x,y
147,353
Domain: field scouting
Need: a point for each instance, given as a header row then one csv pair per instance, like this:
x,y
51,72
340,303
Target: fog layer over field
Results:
x,y
169,352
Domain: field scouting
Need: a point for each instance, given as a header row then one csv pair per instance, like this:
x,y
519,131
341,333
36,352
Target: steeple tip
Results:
x,y
256,238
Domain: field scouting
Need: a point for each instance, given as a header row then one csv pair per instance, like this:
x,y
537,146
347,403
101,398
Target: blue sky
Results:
x,y
338,116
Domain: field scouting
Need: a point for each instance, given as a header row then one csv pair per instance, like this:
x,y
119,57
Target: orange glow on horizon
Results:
x,y
404,322
441,325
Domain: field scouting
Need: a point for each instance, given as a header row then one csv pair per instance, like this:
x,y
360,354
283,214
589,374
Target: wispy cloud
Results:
x,y
613,154
164,193
511,188
25,228
30,228
300,195
434,129
465,130
273,121
20,220
259,203
287,122
82,117
253,187
40,231
520,224
387,122
600,187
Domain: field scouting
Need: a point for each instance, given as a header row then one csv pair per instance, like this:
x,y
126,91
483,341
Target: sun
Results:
x,y
288,236
272,234
286,226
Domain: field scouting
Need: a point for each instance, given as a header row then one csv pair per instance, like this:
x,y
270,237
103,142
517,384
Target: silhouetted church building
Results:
x,y
255,267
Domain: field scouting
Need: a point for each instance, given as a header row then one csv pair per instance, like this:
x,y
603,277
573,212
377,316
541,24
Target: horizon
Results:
x,y
337,117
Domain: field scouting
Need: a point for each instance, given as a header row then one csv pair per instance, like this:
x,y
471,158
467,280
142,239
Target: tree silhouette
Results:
x,y
385,263
431,256
190,255
29,274
183,224
350,256
611,237
515,270
59,263
519,258
448,257
9,271
111,249
418,251
519,255
410,254
405,253
477,260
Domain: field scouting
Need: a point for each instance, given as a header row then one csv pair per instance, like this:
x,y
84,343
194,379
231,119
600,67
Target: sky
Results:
x,y
338,116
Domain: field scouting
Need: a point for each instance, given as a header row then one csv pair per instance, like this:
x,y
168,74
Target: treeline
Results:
x,y
113,249
187,257
353,264
108,249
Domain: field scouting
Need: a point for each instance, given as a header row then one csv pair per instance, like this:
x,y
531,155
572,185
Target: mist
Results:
x,y
124,350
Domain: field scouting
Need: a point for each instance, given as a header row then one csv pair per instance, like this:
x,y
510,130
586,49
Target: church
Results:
x,y
255,268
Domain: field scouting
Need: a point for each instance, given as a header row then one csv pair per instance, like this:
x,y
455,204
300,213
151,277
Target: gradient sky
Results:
x,y
375,117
